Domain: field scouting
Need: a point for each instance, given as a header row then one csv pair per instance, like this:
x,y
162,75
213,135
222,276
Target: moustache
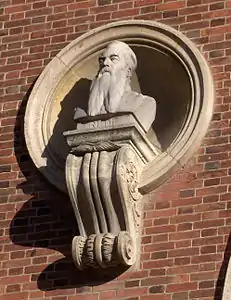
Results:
x,y
105,70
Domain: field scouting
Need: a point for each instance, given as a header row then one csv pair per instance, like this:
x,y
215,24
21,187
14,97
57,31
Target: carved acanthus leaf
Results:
x,y
87,147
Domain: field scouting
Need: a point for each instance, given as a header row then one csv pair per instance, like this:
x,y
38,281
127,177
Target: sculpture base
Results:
x,y
102,174
110,132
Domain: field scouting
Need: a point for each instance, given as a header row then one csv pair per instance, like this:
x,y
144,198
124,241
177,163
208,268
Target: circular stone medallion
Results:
x,y
170,69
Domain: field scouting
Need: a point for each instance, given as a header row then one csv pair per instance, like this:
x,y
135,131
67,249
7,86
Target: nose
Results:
x,y
106,62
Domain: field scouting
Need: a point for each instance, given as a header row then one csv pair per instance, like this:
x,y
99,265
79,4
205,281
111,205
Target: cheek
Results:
x,y
119,67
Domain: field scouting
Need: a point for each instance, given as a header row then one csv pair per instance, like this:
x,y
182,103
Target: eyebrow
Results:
x,y
103,56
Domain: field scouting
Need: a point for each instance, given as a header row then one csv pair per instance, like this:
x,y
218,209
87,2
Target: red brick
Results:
x,y
206,258
190,201
132,292
17,23
17,8
125,13
60,16
17,16
156,280
125,5
182,269
163,213
185,218
156,297
132,283
103,16
182,261
13,67
145,2
161,229
171,5
158,263
81,4
216,46
202,293
38,12
193,10
183,252
22,295
160,237
209,207
206,284
106,8
160,246
211,191
182,287
15,279
184,235
84,297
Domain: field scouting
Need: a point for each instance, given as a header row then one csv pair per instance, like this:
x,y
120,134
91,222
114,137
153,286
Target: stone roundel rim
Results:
x,y
139,32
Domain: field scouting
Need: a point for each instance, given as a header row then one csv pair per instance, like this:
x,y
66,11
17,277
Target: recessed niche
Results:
x,y
170,69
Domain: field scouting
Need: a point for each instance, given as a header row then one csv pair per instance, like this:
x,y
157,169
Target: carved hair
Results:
x,y
128,52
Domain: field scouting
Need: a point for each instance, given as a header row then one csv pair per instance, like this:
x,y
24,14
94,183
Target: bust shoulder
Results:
x,y
133,100
142,106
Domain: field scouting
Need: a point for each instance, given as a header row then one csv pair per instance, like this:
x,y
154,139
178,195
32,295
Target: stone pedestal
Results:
x,y
103,167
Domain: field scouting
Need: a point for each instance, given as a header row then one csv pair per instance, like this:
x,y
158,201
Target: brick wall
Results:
x,y
187,222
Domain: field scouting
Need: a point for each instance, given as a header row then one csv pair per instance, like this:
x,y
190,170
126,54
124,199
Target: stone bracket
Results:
x,y
102,176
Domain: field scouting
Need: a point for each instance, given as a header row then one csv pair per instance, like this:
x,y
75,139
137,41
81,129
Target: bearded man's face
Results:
x,y
109,85
112,60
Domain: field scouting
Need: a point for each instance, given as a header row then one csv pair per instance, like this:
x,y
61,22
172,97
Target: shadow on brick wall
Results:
x,y
223,271
47,221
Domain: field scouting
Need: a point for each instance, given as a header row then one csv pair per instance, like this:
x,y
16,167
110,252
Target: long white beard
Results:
x,y
106,92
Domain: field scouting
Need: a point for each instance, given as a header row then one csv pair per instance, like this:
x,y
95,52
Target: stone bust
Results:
x,y
109,149
111,92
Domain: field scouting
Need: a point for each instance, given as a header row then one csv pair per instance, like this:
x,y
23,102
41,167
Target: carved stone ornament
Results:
x,y
102,182
95,136
108,150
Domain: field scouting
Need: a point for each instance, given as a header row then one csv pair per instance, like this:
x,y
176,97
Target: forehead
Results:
x,y
116,49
